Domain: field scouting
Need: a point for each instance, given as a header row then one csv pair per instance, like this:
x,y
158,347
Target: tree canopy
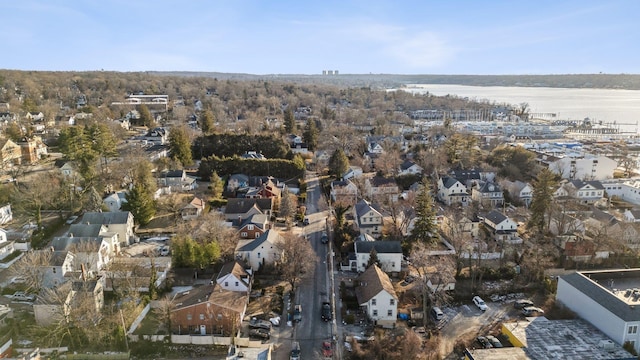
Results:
x,y
338,163
180,145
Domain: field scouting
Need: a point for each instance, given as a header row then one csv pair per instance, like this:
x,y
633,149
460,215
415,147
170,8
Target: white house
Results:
x,y
585,192
608,299
59,264
6,215
587,168
234,277
389,254
503,229
6,247
352,172
409,167
519,191
120,222
632,215
261,250
452,191
344,191
488,194
114,201
368,219
377,297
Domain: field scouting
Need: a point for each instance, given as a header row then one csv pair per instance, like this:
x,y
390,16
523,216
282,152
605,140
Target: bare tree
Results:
x,y
297,259
32,267
211,227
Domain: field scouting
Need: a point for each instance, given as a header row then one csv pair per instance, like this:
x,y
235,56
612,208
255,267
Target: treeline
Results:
x,y
229,145
281,168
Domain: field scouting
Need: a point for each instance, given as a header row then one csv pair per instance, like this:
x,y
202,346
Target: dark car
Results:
x,y
326,311
523,303
297,313
324,238
295,351
494,341
484,342
305,222
260,334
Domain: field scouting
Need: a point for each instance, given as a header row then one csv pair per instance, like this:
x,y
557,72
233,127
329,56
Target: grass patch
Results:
x,y
149,325
11,256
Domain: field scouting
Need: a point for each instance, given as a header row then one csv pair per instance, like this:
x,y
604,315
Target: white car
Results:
x,y
480,303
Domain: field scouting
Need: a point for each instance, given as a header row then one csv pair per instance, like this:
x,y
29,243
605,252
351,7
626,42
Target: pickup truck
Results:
x,y
259,324
297,313
326,311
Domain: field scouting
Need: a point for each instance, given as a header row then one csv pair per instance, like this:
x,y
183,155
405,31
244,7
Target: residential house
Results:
x,y
586,168
58,264
35,116
254,226
470,178
237,181
588,192
451,191
6,117
158,136
344,191
265,190
10,153
32,149
6,247
409,167
253,155
241,208
463,226
156,152
234,277
177,180
375,147
68,170
376,296
261,250
208,310
438,281
368,218
301,148
6,214
632,215
579,248
353,172
382,189
120,222
54,305
114,201
488,194
92,246
193,209
607,299
389,255
519,191
503,229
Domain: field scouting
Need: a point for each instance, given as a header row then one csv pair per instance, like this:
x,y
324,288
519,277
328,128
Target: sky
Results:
x,y
478,37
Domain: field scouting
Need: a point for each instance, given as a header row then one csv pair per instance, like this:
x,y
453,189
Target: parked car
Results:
x,y
18,280
305,222
436,313
522,303
297,313
324,238
480,303
295,351
494,341
260,334
275,321
484,342
255,323
532,311
326,311
71,219
327,351
22,296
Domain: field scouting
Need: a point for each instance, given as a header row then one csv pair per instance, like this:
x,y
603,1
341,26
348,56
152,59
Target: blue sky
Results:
x,y
305,37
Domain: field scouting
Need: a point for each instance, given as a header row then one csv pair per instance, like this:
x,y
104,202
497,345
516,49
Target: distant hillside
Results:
x,y
596,81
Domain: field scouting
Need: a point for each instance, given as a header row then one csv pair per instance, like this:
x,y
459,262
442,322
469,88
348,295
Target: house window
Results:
x,y
258,255
370,219
393,264
54,270
375,312
633,329
249,227
237,283
392,301
201,316
257,235
373,302
243,234
226,283
189,317
389,312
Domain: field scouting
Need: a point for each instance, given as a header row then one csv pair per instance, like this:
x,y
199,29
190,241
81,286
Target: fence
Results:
x,y
103,356
198,340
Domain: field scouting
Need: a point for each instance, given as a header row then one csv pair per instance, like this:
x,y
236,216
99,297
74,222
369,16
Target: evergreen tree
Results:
x,y
311,135
180,145
289,120
425,225
103,143
542,199
207,122
216,185
141,204
145,116
373,258
338,163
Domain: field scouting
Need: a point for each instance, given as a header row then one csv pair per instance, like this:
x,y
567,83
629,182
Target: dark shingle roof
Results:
x,y
242,205
385,247
448,181
580,184
112,217
495,216
85,230
234,268
489,187
270,235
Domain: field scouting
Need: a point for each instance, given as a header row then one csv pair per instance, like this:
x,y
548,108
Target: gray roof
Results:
x,y
363,206
495,216
602,296
448,181
242,205
489,187
580,184
85,230
384,247
112,217
270,235
63,243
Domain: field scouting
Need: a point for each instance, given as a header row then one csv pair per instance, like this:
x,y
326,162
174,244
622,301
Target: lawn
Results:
x,y
149,325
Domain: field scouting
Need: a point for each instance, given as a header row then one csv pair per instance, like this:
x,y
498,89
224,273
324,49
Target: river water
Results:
x,y
606,105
